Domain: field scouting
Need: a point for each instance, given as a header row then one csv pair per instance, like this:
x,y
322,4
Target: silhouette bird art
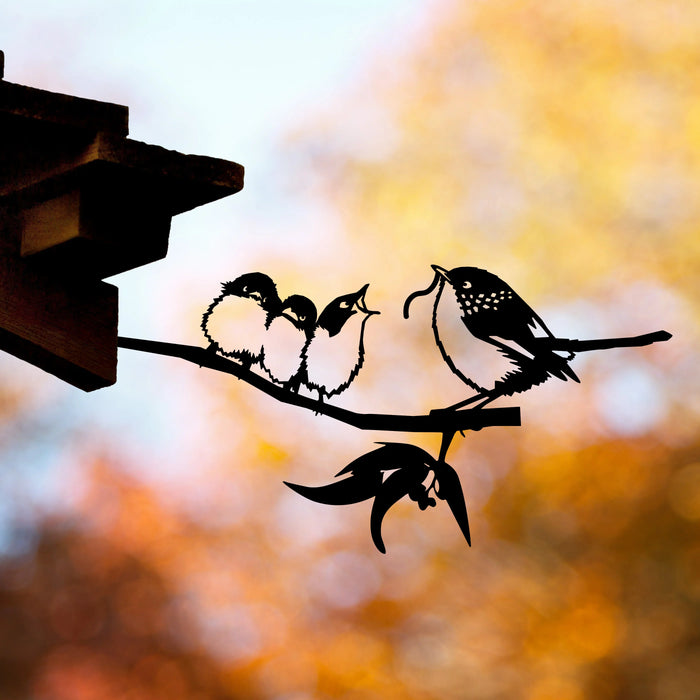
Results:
x,y
502,347
336,352
287,336
236,322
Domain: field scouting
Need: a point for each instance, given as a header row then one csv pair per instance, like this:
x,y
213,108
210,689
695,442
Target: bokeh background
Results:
x,y
148,548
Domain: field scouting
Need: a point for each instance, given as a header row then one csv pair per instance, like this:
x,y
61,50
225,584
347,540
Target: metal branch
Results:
x,y
442,422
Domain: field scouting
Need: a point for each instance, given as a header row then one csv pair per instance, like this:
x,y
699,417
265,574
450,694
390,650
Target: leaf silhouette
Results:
x,y
450,490
394,488
409,466
354,489
390,456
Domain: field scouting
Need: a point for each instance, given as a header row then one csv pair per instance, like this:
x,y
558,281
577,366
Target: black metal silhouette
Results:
x,y
285,338
499,325
409,468
255,291
336,337
293,348
288,334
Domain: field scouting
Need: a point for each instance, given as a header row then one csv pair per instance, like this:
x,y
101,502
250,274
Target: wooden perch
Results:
x,y
442,422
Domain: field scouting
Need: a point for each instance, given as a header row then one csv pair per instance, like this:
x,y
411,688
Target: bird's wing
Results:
x,y
510,348
511,319
538,326
539,366
524,318
516,354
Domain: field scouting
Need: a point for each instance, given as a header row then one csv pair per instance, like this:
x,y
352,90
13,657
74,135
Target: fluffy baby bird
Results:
x,y
336,353
287,336
236,322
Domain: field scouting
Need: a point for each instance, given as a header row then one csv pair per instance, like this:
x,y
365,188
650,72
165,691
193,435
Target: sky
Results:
x,y
228,79
219,77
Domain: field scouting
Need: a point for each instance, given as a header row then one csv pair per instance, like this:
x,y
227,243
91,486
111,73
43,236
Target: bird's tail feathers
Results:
x,y
570,372
573,345
558,366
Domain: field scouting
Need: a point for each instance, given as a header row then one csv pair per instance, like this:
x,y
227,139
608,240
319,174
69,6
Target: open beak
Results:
x,y
445,274
360,301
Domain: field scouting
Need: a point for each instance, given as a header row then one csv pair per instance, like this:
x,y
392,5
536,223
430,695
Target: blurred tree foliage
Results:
x,y
87,617
557,145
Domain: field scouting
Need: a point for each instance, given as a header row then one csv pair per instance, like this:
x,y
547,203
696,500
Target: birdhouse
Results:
x,y
79,201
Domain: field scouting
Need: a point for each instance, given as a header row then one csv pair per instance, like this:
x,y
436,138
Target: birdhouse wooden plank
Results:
x,y
67,327
115,203
79,201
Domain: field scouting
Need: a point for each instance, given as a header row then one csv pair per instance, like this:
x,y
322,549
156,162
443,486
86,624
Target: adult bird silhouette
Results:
x,y
288,334
335,354
236,322
502,346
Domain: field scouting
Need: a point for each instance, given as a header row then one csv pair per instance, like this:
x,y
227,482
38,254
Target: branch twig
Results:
x,y
473,419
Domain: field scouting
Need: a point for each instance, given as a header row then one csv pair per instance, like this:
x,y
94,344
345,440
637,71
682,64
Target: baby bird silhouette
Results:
x,y
287,336
236,322
502,346
336,352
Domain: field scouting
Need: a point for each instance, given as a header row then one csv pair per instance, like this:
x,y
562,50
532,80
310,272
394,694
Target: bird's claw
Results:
x,y
212,350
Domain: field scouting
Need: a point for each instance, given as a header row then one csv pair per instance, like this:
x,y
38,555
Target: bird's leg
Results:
x,y
246,362
483,398
211,349
320,400
293,384
454,407
466,402
488,399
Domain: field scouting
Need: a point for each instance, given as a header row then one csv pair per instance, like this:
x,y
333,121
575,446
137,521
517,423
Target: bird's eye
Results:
x,y
245,288
302,318
344,304
466,284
